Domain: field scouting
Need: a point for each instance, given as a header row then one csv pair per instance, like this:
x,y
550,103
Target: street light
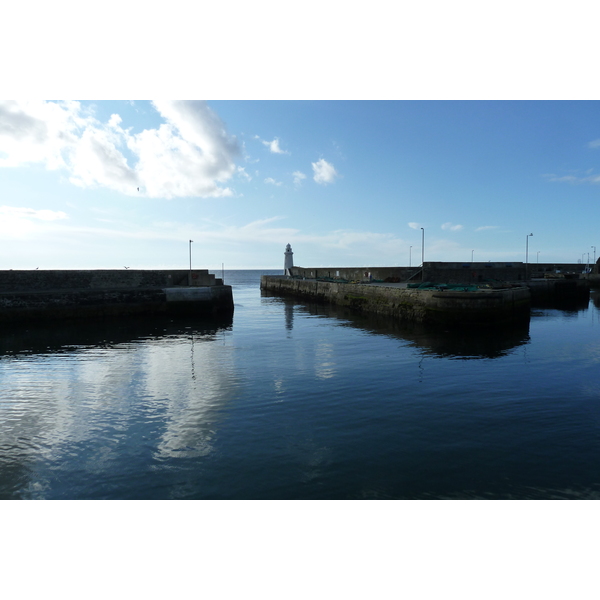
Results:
x,y
409,256
423,248
538,257
527,252
594,247
472,255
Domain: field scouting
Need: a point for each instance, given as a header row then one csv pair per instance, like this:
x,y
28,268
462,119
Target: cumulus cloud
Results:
x,y
274,146
451,227
189,154
37,132
414,225
324,172
272,181
298,177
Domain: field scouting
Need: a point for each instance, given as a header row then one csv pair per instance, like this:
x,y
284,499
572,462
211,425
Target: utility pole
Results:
x,y
527,253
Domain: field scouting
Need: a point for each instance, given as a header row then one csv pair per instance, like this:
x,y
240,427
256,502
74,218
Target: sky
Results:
x,y
109,184
350,136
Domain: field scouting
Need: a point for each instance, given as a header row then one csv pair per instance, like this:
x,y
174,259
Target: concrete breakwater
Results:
x,y
39,295
481,307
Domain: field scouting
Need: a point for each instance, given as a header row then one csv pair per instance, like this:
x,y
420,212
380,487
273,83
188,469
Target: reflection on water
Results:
x,y
133,388
53,336
293,400
467,343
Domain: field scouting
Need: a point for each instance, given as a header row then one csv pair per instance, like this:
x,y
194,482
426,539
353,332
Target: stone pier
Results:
x,y
446,307
57,294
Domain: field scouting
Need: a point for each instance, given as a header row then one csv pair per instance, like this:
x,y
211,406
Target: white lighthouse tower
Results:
x,y
289,260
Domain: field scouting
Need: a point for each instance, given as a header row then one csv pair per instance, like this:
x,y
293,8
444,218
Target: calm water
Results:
x,y
290,400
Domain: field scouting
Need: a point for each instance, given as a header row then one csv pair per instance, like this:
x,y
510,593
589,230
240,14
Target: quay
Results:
x,y
446,293
434,305
63,294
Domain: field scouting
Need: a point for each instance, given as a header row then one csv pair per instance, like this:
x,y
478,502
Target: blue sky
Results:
x,y
346,183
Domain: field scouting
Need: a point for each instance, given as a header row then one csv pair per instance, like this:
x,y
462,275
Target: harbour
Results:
x,y
293,399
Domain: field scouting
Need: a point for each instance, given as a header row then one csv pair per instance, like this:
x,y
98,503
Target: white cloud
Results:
x,y
37,131
242,172
414,225
450,227
272,181
324,172
486,227
594,144
274,146
190,154
573,178
31,213
19,223
298,177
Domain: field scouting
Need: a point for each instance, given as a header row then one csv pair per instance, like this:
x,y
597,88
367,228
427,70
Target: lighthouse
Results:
x,y
289,260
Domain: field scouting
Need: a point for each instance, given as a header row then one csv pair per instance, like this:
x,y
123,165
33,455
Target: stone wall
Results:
x,y
16,307
345,274
475,272
441,272
426,306
44,295
39,280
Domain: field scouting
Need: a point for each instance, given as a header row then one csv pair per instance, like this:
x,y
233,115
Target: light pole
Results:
x,y
423,248
527,253
409,256
538,257
472,255
594,247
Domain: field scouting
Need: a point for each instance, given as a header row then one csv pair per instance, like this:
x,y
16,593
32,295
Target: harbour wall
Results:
x,y
38,280
484,307
443,272
42,295
548,292
346,274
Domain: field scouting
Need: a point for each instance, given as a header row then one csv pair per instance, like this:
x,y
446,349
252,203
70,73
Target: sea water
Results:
x,y
289,400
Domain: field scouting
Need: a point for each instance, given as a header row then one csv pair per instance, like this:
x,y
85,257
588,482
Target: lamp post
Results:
x,y
472,255
527,253
191,262
409,256
538,257
423,248
594,247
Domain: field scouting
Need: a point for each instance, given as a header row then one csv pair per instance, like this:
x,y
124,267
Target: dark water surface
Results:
x,y
290,400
